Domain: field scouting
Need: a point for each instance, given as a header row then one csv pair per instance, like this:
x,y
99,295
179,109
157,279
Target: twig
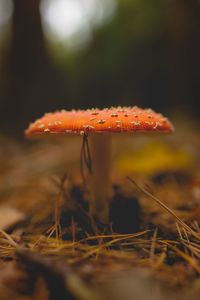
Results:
x,y
169,210
153,245
9,239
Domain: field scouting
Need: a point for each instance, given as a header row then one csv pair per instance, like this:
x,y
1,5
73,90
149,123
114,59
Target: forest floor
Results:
x,y
49,248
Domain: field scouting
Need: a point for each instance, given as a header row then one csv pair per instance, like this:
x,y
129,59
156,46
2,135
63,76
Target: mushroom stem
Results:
x,y
99,183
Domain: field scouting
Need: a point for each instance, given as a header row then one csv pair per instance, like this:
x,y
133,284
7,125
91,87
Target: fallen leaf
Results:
x,y
9,216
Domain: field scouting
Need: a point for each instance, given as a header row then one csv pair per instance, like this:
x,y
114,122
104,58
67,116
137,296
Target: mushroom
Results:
x,y
99,125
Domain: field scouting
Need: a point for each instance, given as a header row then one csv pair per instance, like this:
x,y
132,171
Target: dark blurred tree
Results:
x,y
126,60
183,20
31,80
148,54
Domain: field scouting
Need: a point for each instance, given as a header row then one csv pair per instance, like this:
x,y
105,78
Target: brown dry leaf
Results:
x,y
9,216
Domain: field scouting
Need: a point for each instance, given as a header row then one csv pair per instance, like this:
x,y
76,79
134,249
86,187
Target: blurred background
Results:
x,y
67,54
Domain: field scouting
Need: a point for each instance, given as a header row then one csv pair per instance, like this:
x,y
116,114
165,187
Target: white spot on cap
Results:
x,y
88,127
40,126
58,122
68,131
101,121
164,120
46,130
135,123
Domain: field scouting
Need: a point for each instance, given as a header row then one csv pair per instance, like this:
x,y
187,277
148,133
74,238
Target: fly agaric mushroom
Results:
x,y
99,124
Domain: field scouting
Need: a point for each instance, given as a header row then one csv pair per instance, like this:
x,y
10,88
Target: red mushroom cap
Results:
x,y
113,120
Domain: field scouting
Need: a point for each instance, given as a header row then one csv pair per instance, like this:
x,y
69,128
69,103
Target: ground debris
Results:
x,y
51,250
